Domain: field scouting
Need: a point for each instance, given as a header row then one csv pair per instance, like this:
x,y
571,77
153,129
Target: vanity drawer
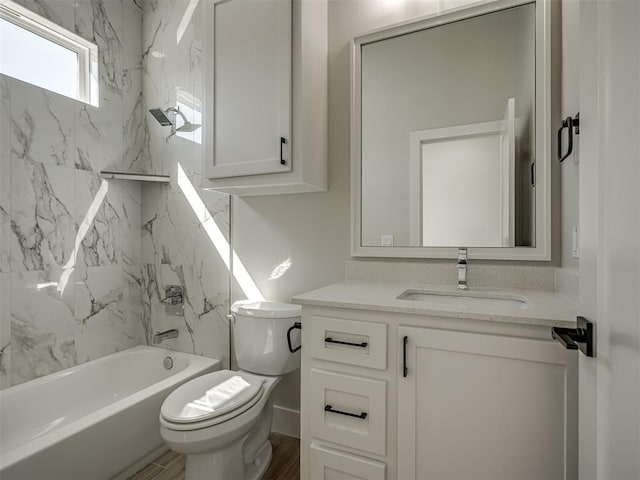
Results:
x,y
348,410
326,463
349,341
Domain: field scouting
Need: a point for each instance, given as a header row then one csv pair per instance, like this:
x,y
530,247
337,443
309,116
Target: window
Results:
x,y
37,51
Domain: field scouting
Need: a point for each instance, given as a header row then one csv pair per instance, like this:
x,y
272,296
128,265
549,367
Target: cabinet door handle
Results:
x,y
283,142
351,344
533,174
405,370
329,408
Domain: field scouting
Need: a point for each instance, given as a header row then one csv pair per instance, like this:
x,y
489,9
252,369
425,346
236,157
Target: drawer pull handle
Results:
x,y
329,408
351,344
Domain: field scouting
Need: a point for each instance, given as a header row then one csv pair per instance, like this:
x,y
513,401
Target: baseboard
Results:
x,y
286,421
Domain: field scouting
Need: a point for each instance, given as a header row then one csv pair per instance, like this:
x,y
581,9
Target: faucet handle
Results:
x,y
462,255
172,300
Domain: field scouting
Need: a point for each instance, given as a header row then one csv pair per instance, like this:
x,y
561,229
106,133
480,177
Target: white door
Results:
x,y
484,407
609,422
250,57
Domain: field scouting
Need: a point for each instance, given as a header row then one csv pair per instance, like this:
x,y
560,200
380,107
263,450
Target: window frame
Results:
x,y
86,51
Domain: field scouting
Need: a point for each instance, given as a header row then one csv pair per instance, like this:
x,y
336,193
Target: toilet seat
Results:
x,y
211,399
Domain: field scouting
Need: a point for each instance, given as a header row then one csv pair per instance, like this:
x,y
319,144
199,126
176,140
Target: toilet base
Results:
x,y
228,464
244,459
256,469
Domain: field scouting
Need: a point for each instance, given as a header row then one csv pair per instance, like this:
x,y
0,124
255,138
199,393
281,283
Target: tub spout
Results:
x,y
160,337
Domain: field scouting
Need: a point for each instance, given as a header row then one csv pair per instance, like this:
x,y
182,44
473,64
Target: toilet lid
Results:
x,y
263,309
210,396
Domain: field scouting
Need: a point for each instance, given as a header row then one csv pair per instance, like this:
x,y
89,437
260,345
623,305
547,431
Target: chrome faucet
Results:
x,y
462,269
160,337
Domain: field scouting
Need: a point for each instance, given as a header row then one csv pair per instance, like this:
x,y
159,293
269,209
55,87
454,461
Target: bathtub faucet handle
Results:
x,y
174,295
173,300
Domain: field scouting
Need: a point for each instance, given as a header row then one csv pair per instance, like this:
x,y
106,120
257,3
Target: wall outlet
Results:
x,y
575,243
386,240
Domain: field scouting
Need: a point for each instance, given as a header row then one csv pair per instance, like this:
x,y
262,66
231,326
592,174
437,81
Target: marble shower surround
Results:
x,y
176,249
98,253
70,274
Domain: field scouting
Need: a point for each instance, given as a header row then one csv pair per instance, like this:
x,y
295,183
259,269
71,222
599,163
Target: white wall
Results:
x,y
569,169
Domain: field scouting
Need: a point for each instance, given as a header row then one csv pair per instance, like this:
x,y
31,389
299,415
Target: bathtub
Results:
x,y
98,420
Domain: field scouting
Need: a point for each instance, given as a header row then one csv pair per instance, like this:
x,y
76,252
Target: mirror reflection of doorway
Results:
x,y
463,184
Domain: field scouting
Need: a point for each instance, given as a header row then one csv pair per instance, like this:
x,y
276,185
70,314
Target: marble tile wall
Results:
x,y
177,245
71,277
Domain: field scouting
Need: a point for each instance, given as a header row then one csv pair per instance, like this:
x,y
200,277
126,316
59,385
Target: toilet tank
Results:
x,y
260,336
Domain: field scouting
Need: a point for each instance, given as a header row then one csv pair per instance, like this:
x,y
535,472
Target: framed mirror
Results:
x,y
451,135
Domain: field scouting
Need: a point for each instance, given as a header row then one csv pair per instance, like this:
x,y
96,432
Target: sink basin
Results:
x,y
464,300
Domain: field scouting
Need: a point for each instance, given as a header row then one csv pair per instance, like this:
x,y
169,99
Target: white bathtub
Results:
x,y
98,420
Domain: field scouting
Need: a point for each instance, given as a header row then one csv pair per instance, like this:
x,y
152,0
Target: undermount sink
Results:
x,y
465,299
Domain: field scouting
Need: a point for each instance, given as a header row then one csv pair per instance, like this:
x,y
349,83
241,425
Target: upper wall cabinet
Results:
x,y
265,115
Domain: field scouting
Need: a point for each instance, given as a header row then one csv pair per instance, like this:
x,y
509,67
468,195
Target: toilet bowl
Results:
x,y
221,421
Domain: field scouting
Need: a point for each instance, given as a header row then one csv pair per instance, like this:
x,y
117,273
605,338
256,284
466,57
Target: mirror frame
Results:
x,y
543,155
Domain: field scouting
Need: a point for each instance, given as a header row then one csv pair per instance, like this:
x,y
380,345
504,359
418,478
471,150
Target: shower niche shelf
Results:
x,y
139,177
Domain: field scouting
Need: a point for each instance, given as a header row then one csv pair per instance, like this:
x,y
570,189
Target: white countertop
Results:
x,y
544,308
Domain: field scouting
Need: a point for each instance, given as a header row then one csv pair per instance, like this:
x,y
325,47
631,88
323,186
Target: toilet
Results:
x,y
221,421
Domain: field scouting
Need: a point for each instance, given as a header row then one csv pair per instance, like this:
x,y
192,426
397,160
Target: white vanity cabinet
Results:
x,y
478,406
478,399
265,102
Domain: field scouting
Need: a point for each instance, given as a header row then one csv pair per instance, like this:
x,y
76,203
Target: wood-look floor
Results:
x,y
285,464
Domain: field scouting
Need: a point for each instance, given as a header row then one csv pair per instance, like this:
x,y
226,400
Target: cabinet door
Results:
x,y
482,407
251,59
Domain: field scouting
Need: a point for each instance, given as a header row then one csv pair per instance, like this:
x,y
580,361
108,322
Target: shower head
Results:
x,y
188,127
161,117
